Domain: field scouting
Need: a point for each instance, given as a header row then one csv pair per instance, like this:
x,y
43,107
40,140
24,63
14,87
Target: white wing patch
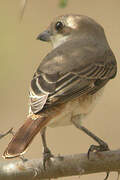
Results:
x,y
37,102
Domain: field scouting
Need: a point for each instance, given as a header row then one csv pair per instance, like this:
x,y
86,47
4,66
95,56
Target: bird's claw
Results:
x,y
98,148
46,157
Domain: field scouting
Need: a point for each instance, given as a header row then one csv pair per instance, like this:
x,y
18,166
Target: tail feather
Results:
x,y
24,136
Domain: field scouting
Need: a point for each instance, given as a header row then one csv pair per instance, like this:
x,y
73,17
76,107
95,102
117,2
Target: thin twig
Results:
x,y
6,133
24,5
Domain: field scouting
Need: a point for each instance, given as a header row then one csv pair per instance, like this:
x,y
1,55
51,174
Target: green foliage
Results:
x,y
63,3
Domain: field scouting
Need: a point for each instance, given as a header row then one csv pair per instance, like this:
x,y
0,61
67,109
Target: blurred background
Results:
x,y
20,54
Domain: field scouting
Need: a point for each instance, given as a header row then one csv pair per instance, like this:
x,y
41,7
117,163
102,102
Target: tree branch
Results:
x,y
69,165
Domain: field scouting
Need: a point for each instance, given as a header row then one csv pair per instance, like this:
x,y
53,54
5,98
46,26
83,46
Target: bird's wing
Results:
x,y
61,77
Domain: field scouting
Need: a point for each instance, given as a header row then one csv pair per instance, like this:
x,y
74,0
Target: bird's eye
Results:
x,y
59,26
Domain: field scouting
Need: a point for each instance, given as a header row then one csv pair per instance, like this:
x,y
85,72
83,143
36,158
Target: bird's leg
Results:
x,y
102,145
46,152
97,148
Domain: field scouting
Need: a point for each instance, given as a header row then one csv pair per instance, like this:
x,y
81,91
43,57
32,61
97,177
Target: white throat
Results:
x,y
58,40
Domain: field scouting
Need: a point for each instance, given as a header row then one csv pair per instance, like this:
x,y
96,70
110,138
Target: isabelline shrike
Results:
x,y
68,82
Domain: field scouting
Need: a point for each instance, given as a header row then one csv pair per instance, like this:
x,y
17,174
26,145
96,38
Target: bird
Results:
x,y
68,83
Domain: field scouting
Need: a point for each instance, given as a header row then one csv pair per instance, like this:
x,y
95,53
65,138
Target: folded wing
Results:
x,y
60,78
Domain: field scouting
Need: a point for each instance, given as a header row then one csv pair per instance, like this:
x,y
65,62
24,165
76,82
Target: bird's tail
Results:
x,y
24,136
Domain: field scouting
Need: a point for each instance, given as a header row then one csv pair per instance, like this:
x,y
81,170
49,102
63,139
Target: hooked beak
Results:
x,y
44,36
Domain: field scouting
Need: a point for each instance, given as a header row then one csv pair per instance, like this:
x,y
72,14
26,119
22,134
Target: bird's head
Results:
x,y
67,27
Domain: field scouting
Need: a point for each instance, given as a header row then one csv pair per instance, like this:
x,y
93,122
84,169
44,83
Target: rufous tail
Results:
x,y
24,136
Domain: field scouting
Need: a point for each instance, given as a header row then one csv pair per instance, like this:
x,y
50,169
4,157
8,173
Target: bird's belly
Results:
x,y
64,118
82,106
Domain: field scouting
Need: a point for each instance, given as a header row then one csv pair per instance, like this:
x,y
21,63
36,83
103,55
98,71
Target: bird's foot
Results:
x,y
99,148
46,157
23,158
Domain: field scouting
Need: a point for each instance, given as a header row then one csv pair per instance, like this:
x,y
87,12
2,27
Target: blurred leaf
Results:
x,y
63,3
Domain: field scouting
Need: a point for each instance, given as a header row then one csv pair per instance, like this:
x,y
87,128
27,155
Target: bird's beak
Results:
x,y
44,36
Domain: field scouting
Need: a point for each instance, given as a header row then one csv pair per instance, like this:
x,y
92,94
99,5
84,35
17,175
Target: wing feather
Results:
x,y
60,78
37,102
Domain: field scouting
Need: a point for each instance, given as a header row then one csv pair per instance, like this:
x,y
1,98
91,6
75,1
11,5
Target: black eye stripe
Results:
x,y
59,26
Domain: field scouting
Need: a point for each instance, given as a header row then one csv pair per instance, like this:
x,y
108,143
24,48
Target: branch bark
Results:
x,y
61,166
